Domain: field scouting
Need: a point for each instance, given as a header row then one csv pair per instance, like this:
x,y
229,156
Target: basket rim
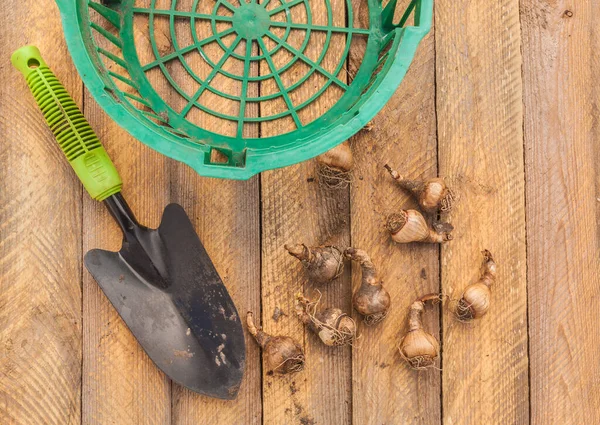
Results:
x,y
406,40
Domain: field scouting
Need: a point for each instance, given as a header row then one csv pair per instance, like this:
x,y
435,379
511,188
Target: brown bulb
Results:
x,y
418,347
322,263
410,226
282,354
332,325
335,166
338,158
371,299
475,301
432,194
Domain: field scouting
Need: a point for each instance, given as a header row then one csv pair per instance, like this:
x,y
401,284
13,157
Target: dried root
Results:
x,y
332,325
368,126
335,166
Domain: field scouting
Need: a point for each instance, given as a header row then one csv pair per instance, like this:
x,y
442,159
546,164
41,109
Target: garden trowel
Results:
x,y
162,282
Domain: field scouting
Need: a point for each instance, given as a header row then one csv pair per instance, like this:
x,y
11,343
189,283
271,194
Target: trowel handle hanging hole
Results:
x,y
33,63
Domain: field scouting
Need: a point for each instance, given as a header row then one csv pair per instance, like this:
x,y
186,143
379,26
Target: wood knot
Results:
x,y
568,14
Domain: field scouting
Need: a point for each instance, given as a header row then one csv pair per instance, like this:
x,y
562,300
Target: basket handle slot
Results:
x,y
225,157
420,8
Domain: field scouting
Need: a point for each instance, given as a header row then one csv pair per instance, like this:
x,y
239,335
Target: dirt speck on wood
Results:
x,y
277,313
298,409
305,420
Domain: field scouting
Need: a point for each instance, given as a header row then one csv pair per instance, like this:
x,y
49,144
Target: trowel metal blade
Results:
x,y
165,287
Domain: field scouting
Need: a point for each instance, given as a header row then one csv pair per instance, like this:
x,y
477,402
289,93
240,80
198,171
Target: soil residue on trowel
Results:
x,y
183,353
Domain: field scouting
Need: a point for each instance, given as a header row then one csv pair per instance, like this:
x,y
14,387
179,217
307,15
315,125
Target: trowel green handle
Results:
x,y
73,133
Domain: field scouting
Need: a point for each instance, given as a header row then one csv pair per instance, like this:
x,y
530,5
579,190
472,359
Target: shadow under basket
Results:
x,y
236,87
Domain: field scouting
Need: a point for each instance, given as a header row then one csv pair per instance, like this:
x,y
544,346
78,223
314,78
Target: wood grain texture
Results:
x,y
67,358
385,389
226,215
295,209
561,66
40,237
480,119
121,385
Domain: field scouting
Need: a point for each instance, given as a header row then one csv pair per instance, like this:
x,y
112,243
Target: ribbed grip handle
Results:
x,y
73,133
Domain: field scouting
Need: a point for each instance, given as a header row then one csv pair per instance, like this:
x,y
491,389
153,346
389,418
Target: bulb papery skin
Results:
x,y
476,298
339,158
332,325
323,263
373,302
475,302
409,226
338,330
283,354
371,299
432,194
419,348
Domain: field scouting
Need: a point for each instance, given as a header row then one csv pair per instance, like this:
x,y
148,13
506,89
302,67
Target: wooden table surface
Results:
x,y
502,98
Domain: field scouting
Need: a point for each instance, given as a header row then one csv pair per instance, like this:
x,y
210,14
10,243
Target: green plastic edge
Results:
x,y
92,165
407,39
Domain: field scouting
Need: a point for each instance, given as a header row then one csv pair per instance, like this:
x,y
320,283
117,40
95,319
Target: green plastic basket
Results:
x,y
242,80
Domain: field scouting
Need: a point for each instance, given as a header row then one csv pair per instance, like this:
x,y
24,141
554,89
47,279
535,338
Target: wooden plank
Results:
x,y
296,210
121,385
561,157
40,237
226,215
385,390
120,382
480,119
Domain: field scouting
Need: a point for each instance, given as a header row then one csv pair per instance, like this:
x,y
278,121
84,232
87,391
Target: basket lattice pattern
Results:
x,y
244,77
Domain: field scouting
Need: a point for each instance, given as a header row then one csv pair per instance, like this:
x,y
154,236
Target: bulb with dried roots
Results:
x,y
475,300
410,226
332,325
322,263
334,166
432,194
371,299
282,353
418,347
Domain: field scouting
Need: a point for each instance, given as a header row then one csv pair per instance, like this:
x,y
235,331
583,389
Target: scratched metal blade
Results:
x,y
166,289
